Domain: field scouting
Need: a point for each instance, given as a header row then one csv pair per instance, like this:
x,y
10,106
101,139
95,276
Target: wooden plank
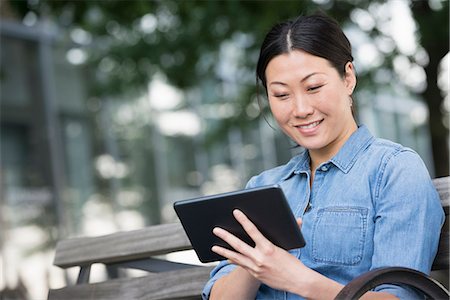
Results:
x,y
182,284
152,265
122,246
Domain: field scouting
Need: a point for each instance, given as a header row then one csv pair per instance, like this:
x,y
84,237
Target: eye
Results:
x,y
281,96
314,88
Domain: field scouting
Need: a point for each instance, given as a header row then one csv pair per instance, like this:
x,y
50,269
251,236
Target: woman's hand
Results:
x,y
268,263
276,267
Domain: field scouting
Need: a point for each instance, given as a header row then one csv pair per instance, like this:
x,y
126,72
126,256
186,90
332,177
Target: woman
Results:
x,y
362,202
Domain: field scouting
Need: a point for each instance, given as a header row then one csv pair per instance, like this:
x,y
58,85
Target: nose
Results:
x,y
301,107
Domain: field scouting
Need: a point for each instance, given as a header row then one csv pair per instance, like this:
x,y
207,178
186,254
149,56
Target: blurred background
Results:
x,y
112,110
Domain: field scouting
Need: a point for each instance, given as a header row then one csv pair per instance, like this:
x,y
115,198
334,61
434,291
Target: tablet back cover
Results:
x,y
266,207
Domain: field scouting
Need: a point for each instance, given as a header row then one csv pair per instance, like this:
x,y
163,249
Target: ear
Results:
x,y
350,78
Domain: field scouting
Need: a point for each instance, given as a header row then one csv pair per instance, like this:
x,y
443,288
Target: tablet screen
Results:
x,y
265,206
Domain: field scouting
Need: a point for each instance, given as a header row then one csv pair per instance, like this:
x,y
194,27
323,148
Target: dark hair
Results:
x,y
316,34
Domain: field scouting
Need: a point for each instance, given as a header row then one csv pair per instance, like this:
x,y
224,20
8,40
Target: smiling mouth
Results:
x,y
310,125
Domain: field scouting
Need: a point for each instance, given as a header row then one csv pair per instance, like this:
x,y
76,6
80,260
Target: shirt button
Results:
x,y
324,168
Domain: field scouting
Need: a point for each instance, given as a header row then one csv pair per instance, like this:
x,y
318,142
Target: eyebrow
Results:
x,y
303,79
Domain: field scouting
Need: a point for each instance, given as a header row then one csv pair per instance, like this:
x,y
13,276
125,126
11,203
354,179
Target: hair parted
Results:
x,y
316,34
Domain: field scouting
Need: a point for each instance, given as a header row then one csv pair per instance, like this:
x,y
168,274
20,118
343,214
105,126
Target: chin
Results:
x,y
313,148
312,145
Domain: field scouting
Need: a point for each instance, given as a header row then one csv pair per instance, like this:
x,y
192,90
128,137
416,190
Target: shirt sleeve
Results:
x,y
408,219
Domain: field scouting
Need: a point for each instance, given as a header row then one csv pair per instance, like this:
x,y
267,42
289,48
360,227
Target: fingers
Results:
x,y
249,227
233,257
299,222
233,241
241,252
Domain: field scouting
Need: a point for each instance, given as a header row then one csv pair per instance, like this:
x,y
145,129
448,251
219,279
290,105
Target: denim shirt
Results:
x,y
370,206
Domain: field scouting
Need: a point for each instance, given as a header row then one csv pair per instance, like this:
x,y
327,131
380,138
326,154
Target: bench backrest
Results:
x,y
166,280
134,249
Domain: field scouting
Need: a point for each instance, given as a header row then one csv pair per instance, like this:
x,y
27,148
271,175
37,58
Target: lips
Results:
x,y
309,125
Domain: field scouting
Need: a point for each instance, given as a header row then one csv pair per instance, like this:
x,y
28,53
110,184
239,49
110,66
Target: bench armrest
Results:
x,y
393,275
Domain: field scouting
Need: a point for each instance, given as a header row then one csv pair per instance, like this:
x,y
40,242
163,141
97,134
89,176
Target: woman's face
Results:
x,y
311,101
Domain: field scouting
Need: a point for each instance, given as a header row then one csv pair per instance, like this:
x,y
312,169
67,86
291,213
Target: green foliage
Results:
x,y
186,32
183,39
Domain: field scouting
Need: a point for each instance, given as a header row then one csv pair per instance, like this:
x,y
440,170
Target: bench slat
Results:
x,y
189,283
122,246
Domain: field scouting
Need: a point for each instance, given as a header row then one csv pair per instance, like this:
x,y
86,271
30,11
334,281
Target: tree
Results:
x,y
434,34
134,40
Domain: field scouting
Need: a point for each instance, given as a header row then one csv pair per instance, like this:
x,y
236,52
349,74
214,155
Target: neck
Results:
x,y
319,156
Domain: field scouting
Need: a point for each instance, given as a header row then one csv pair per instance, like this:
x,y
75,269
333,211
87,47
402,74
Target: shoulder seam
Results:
x,y
397,151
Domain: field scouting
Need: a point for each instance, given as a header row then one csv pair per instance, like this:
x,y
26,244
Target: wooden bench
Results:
x,y
137,249
142,249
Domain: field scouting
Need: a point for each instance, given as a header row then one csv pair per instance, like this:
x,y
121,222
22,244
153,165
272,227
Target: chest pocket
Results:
x,y
339,235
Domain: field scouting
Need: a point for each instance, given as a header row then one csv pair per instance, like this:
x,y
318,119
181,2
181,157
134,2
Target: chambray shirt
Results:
x,y
372,205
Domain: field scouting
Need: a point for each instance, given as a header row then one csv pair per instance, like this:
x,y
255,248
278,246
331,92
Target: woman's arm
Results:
x,y
239,284
408,218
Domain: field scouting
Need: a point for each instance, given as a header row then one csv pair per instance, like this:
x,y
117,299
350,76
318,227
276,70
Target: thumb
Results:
x,y
299,222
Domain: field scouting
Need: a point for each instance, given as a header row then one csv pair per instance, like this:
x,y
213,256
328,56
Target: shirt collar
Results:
x,y
298,164
351,150
344,159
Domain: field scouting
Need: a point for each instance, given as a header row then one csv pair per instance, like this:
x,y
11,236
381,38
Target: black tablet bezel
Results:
x,y
265,206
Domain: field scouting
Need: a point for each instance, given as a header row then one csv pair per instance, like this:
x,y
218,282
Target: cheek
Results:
x,y
331,102
280,111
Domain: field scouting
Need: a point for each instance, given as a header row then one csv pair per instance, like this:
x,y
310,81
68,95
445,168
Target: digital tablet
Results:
x,y
265,206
